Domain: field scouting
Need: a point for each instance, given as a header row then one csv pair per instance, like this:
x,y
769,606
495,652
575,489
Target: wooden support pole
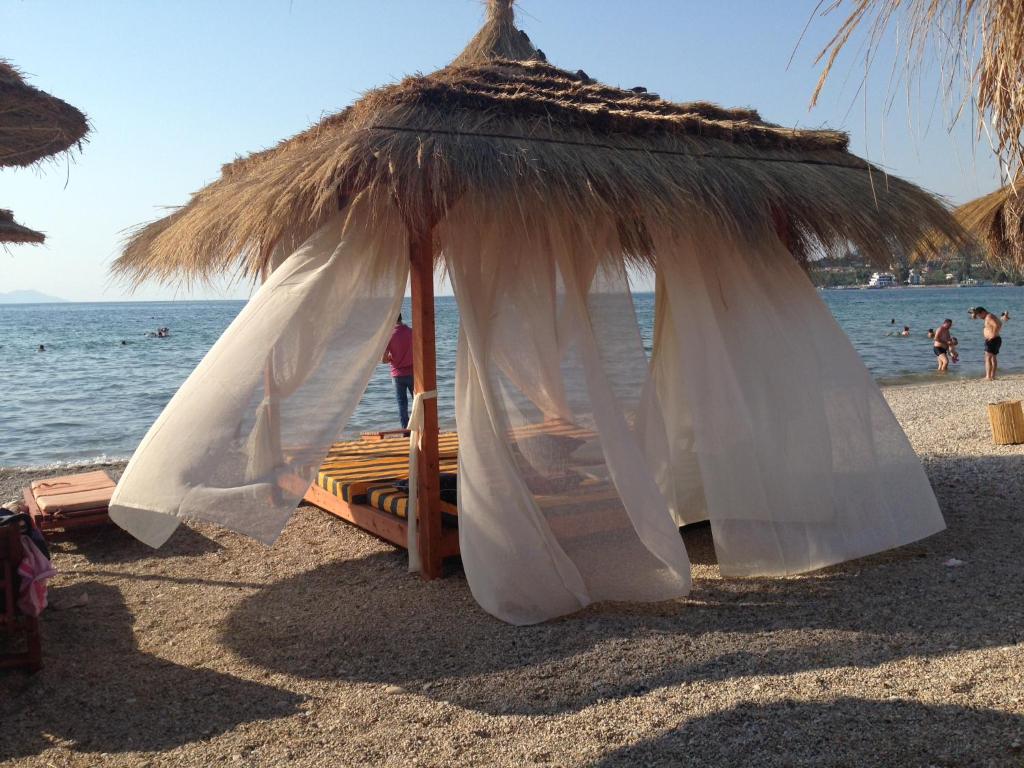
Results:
x,y
421,258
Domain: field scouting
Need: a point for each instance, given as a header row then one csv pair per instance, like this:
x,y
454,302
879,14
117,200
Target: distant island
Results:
x,y
28,297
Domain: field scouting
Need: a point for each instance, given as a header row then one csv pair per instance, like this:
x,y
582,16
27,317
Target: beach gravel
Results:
x,y
323,650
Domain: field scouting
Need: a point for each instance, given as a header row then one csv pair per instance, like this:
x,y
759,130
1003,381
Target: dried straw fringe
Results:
x,y
982,42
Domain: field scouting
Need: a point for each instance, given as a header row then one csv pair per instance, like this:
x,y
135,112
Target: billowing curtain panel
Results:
x,y
242,438
667,423
557,505
803,464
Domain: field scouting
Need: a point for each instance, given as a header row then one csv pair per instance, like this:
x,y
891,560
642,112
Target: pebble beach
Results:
x,y
322,650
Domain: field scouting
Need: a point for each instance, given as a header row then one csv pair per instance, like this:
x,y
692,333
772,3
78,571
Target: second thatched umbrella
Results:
x,y
34,124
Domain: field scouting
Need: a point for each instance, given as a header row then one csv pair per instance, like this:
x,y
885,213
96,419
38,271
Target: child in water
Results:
x,y
954,356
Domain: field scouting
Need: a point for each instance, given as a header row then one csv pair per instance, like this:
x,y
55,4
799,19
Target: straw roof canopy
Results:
x,y
13,232
501,124
34,124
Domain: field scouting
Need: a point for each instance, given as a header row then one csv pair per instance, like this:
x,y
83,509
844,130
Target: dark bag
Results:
x,y
10,517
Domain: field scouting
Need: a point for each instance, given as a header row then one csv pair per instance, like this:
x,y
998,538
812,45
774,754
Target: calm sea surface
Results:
x,y
89,398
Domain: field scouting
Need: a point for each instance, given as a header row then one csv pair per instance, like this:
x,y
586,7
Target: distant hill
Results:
x,y
28,297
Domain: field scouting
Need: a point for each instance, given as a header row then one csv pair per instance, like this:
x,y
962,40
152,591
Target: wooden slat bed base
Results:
x,y
381,524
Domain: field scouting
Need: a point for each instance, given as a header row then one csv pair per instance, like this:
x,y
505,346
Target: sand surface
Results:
x,y
323,651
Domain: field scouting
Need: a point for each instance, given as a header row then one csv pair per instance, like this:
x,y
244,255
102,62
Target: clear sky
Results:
x,y
176,88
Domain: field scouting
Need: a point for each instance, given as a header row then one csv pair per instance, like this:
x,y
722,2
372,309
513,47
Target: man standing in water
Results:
x,y
399,354
940,345
993,341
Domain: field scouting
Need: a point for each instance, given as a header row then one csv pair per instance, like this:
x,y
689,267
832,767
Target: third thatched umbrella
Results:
x,y
13,232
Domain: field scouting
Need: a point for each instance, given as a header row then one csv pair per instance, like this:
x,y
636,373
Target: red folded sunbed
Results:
x,y
71,501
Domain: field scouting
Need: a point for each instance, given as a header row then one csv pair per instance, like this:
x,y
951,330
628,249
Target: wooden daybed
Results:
x,y
357,482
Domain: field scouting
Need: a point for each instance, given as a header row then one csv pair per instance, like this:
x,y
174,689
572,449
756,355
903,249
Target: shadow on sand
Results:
x,y
110,544
103,694
390,628
838,733
100,693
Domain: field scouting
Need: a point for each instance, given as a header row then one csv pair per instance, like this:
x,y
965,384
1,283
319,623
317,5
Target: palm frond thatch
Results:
x,y
13,232
502,124
34,124
981,43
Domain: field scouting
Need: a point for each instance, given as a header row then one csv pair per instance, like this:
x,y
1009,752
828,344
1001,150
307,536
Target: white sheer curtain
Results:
x,y
243,437
557,506
667,425
801,460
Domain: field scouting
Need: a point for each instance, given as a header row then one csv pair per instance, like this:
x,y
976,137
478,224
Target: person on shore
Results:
x,y
399,353
993,341
940,345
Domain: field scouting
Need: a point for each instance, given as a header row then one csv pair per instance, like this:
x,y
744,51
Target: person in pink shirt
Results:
x,y
399,354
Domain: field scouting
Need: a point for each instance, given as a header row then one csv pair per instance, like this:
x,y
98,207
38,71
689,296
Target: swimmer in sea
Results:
x,y
42,347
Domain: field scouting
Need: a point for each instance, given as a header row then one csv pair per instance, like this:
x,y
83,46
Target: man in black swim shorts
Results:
x,y
993,341
940,345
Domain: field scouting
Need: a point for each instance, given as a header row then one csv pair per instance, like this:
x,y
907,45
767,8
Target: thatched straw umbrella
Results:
x,y
13,232
981,43
34,124
500,115
996,222
503,128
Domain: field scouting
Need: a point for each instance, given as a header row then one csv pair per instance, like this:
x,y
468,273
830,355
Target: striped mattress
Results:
x,y
366,471
352,469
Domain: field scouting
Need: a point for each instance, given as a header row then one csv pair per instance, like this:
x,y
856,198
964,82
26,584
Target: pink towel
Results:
x,y
33,573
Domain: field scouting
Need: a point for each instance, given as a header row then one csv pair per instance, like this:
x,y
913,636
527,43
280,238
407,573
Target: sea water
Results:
x,y
89,397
